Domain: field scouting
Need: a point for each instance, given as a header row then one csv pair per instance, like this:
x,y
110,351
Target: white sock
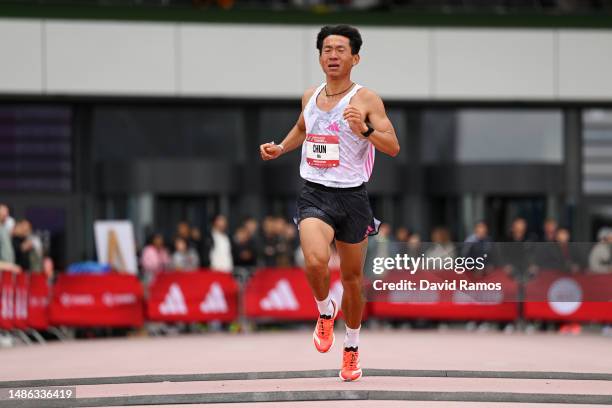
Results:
x,y
351,339
325,306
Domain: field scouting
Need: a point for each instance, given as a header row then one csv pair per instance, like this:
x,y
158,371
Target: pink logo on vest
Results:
x,y
334,127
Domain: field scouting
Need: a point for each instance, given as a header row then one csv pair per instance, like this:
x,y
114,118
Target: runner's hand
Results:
x,y
355,119
270,151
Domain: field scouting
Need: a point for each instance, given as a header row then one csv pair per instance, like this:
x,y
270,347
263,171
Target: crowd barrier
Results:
x,y
7,300
24,301
447,304
283,294
569,298
115,300
193,297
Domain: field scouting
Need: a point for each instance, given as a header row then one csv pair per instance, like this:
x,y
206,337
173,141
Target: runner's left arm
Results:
x,y
383,137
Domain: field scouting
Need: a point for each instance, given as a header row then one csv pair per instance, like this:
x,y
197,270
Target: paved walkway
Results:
x,y
406,368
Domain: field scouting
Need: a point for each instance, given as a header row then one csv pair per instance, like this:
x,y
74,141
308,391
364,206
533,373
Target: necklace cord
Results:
x,y
339,93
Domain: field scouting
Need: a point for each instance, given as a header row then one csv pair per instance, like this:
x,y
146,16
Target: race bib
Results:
x,y
322,151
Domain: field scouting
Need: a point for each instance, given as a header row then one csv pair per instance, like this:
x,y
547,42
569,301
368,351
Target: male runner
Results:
x,y
339,128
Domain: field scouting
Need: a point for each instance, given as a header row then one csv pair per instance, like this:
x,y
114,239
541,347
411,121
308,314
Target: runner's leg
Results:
x,y
352,260
315,239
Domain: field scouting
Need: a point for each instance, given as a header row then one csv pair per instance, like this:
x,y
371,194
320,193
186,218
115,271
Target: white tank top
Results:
x,y
332,154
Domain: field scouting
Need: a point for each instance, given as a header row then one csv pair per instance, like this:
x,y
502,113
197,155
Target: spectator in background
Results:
x,y
183,231
279,242
441,247
415,246
571,257
193,237
184,258
546,254
600,258
558,255
400,244
269,242
37,244
244,250
286,243
518,231
402,234
251,226
154,258
550,230
27,247
516,252
6,221
202,243
478,244
221,252
7,254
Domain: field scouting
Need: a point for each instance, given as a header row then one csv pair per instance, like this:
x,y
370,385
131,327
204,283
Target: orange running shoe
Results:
x,y
323,335
351,370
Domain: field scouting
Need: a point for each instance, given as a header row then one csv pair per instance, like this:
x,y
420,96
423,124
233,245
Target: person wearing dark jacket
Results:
x,y
516,253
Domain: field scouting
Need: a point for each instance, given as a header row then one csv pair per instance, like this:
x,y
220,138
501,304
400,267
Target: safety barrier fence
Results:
x,y
30,302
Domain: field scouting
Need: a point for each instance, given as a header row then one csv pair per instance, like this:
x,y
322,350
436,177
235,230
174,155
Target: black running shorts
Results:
x,y
346,210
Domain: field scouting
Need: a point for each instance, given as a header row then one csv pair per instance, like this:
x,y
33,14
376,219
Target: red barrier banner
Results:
x,y
20,311
193,297
284,294
280,293
97,300
7,300
38,302
434,303
569,297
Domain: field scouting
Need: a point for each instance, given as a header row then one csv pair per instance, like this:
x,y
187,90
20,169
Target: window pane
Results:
x,y
597,151
509,136
492,136
35,148
123,133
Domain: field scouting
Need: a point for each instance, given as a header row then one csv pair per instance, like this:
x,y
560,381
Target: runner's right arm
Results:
x,y
294,138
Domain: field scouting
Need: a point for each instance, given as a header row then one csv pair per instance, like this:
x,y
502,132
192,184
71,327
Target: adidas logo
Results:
x,y
174,302
280,297
334,127
214,302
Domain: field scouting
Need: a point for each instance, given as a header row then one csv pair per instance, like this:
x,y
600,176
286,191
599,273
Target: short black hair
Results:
x,y
344,30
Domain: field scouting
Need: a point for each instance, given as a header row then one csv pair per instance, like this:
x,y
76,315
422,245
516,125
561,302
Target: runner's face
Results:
x,y
336,58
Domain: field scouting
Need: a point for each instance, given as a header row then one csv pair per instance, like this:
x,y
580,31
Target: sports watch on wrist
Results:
x,y
368,132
